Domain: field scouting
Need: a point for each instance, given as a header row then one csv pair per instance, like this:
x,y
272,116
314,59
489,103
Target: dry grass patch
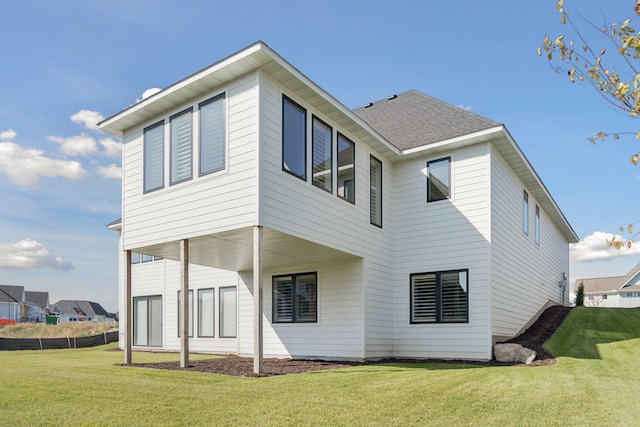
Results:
x,y
63,330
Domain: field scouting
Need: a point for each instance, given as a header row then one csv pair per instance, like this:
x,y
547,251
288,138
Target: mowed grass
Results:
x,y
594,383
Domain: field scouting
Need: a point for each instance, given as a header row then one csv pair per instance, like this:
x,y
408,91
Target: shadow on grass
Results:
x,y
587,328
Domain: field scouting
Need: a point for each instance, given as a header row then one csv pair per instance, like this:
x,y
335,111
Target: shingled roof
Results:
x,y
80,308
413,119
10,293
609,284
39,298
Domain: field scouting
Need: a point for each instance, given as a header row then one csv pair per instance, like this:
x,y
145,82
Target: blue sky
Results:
x,y
67,63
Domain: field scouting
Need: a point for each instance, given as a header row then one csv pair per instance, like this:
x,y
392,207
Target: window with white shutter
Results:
x,y
153,153
181,147
440,297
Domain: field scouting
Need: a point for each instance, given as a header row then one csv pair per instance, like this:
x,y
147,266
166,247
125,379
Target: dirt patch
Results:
x,y
532,338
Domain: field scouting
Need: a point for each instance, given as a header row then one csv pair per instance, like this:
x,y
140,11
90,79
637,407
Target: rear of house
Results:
x,y
617,291
299,228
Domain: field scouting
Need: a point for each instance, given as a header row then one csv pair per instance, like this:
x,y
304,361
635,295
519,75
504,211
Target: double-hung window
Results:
x,y
375,201
440,297
322,149
181,147
153,153
294,139
295,298
438,179
346,169
212,135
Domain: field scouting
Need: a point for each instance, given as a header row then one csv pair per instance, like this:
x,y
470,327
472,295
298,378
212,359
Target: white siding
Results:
x,y
525,275
296,207
203,205
443,235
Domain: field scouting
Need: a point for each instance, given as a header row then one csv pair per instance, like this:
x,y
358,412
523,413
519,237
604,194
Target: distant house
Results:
x,y
12,303
80,311
37,306
620,291
262,216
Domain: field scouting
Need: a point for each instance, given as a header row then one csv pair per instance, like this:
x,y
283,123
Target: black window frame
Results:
x,y
346,197
145,150
379,184
294,104
438,309
295,309
315,118
525,212
430,197
537,226
172,179
219,97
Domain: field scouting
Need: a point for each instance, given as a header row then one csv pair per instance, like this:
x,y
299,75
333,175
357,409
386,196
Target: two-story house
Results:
x,y
296,227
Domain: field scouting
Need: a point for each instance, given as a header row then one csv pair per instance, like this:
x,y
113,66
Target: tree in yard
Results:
x,y
580,296
612,69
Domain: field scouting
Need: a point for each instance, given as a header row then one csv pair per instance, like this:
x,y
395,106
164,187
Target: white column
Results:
x,y
128,313
257,299
184,313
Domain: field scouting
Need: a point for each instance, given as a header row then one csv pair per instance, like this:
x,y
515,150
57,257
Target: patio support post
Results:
x,y
257,299
184,309
128,313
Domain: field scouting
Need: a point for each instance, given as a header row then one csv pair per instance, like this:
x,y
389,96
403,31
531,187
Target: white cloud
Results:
x,y
30,255
79,145
149,92
111,148
112,171
594,247
465,107
88,119
7,135
25,166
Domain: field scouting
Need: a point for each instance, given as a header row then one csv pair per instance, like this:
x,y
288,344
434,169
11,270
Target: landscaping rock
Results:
x,y
511,353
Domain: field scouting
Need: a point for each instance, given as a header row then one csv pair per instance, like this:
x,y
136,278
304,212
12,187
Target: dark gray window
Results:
x,y
375,201
181,147
295,298
525,213
346,169
537,225
228,312
212,135
147,321
440,297
322,148
206,312
438,179
294,138
153,153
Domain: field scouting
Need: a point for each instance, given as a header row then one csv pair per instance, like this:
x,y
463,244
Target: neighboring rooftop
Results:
x,y
605,284
39,298
79,308
9,293
413,119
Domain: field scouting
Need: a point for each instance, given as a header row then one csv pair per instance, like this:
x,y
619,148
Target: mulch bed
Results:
x,y
532,338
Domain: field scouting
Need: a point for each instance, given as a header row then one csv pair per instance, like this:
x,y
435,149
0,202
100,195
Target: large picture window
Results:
x,y
375,201
153,153
295,298
346,169
181,147
147,321
206,312
440,297
322,154
212,135
294,138
438,179
228,312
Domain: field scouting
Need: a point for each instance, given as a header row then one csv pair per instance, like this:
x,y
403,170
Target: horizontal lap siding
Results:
x,y
217,202
444,235
338,332
163,278
525,275
296,207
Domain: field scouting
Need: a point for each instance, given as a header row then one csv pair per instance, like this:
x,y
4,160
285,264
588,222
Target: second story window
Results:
x,y
322,149
375,202
438,179
294,139
537,225
525,213
153,153
181,147
212,135
346,166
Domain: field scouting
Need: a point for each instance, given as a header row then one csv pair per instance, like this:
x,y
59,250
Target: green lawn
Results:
x,y
595,382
